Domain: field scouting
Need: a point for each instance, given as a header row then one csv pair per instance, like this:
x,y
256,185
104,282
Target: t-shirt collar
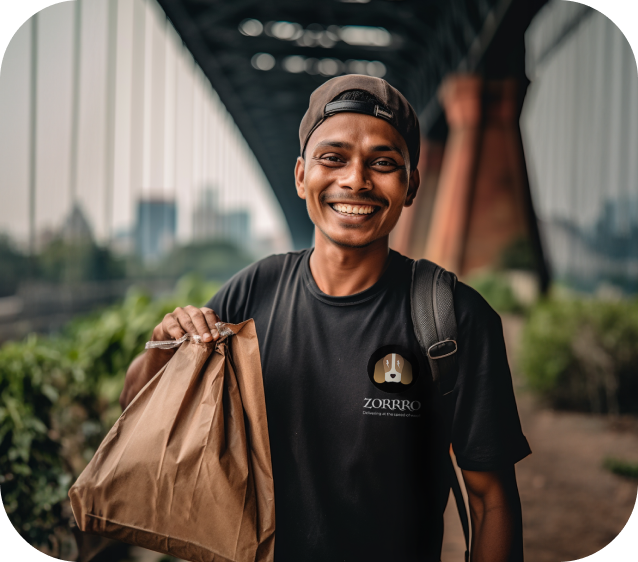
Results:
x,y
348,300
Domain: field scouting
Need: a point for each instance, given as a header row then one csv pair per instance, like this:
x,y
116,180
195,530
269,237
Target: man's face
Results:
x,y
355,178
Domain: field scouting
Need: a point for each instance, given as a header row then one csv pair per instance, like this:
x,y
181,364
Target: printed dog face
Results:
x,y
393,368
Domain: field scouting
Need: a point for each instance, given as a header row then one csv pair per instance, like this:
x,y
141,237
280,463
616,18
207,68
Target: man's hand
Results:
x,y
495,508
191,320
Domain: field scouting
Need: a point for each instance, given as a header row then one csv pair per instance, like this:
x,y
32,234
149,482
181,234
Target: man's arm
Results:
x,y
190,320
495,509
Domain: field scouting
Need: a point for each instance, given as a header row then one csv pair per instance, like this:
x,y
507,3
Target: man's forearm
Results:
x,y
143,368
496,535
495,509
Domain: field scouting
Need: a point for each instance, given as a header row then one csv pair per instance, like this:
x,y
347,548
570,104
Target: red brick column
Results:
x,y
410,234
480,206
461,99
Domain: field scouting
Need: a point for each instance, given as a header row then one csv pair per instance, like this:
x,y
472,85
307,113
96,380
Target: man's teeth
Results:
x,y
353,209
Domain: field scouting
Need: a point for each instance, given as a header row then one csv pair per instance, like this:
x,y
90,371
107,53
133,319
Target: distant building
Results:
x,y
76,227
123,242
235,226
210,223
205,222
604,253
156,227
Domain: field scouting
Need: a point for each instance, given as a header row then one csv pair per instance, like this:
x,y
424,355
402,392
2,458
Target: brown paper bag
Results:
x,y
186,469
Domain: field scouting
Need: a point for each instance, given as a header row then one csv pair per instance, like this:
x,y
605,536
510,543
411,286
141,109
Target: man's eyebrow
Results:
x,y
347,146
333,144
386,148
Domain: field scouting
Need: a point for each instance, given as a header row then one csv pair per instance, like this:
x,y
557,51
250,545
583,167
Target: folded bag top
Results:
x,y
186,470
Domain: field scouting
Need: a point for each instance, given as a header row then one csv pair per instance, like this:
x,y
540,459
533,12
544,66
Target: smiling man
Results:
x,y
357,433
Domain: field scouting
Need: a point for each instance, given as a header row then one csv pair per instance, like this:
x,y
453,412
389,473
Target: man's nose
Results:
x,y
355,176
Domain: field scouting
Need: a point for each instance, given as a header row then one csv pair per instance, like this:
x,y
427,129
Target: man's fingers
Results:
x,y
199,321
192,320
185,321
172,327
211,320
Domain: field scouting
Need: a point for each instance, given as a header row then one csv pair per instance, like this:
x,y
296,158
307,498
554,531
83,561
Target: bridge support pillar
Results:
x,y
482,205
410,234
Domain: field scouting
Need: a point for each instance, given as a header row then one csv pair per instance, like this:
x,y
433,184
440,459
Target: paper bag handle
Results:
x,y
224,332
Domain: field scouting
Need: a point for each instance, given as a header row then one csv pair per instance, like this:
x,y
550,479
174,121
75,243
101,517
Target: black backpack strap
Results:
x,y
432,304
434,321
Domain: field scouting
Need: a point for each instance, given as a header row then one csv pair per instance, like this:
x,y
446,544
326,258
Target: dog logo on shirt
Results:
x,y
391,369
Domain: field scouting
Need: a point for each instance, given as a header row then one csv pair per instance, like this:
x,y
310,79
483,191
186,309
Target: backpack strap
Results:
x,y
432,306
432,303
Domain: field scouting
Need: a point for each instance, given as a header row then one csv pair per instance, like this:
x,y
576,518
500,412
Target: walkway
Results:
x,y
572,506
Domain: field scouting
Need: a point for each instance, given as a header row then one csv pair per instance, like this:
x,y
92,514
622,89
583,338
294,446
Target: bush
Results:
x,y
583,354
496,289
622,468
59,397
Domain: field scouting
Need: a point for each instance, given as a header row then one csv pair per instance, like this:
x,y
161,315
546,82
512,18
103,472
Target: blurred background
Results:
x,y
146,155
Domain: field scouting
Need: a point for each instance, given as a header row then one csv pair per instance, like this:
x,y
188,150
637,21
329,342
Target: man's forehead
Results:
x,y
353,130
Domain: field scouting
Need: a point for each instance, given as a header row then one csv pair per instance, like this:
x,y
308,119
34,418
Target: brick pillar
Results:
x,y
411,232
482,201
461,98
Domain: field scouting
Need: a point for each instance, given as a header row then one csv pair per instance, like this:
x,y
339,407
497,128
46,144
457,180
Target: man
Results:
x,y
355,422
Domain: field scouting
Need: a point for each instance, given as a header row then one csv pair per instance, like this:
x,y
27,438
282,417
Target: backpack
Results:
x,y
432,307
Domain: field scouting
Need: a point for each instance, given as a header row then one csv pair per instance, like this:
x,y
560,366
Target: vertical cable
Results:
x,y
168,209
75,105
137,113
109,163
33,135
225,180
194,223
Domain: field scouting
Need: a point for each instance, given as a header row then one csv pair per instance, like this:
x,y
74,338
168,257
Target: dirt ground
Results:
x,y
572,506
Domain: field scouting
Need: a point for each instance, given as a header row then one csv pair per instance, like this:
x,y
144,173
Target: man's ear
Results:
x,y
413,187
300,172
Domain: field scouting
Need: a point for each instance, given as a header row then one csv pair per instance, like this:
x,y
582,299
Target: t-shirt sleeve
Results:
x,y
228,301
231,301
239,300
486,429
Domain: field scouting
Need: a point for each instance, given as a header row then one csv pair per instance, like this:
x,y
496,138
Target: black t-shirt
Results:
x,y
356,438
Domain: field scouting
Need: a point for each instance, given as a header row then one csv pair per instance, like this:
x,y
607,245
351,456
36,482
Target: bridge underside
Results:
x,y
420,43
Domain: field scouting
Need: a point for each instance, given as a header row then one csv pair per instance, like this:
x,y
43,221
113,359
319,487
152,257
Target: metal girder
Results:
x,y
430,38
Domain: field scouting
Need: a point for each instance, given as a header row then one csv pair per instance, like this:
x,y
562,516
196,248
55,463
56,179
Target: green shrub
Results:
x,y
32,473
519,255
622,468
59,396
495,288
583,354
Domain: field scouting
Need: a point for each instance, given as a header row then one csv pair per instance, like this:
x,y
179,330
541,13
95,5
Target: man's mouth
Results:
x,y
352,210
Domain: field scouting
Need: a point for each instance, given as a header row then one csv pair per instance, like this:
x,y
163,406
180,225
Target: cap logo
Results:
x,y
380,112
357,107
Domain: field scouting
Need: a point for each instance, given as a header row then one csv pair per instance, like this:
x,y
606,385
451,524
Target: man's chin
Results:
x,y
345,241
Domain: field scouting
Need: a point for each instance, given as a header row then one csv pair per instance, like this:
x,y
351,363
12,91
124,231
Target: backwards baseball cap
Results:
x,y
393,107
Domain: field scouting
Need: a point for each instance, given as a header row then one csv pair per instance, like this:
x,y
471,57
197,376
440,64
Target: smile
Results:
x,y
352,210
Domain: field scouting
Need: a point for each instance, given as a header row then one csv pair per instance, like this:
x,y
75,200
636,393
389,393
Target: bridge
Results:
x,y
173,117
465,67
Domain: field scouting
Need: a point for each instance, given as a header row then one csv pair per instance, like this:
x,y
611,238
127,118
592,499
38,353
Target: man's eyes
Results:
x,y
383,163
